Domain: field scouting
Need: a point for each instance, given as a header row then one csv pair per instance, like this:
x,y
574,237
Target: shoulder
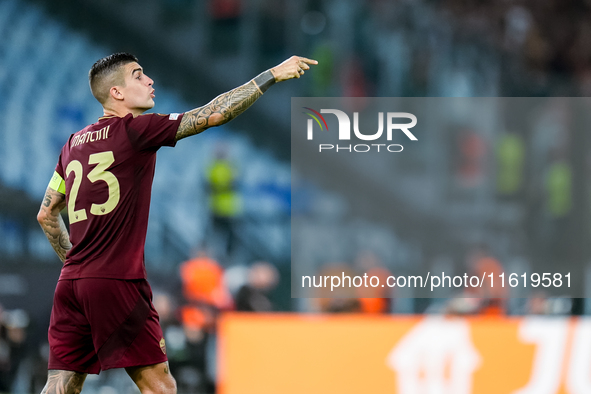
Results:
x,y
171,116
153,120
143,119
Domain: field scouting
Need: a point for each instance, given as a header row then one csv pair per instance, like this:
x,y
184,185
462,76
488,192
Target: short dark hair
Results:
x,y
103,74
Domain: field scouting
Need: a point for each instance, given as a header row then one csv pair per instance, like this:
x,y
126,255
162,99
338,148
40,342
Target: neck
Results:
x,y
121,111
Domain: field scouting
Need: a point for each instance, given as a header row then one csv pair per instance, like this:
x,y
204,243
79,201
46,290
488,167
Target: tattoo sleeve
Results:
x,y
224,107
52,223
64,382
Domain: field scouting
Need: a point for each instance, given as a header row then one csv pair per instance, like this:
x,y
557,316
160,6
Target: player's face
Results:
x,y
138,92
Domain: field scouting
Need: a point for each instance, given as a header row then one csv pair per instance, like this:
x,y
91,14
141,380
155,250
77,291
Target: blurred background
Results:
x,y
219,242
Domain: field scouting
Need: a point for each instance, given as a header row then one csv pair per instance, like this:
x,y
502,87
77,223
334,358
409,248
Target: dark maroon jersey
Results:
x,y
108,168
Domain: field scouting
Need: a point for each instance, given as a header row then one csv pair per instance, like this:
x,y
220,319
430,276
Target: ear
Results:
x,y
116,93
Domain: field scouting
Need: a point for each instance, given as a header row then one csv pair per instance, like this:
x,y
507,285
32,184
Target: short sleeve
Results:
x,y
59,169
150,132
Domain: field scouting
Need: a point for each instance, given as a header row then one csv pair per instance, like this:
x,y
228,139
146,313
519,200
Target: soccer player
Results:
x,y
102,315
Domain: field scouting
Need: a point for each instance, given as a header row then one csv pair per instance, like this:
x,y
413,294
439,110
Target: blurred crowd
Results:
x,y
538,48
550,39
13,339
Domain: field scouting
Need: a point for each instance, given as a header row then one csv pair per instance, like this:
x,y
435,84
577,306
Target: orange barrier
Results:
x,y
358,354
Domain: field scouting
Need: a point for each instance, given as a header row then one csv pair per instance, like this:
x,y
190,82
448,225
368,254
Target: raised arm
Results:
x,y
229,105
52,223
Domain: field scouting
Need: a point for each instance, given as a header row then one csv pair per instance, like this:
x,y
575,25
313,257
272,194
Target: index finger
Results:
x,y
306,60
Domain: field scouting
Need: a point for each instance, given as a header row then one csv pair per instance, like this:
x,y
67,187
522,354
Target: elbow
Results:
x,y
217,119
41,216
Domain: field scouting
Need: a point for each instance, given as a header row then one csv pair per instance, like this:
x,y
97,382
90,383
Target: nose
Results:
x,y
150,80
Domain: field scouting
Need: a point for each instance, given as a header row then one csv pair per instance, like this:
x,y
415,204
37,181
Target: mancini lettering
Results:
x,y
91,136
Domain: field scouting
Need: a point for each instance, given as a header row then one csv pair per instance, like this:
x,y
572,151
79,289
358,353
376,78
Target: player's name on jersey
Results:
x,y
91,136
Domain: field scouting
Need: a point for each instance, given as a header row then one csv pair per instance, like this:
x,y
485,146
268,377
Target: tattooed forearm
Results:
x,y
52,223
57,234
64,382
227,106
220,110
47,199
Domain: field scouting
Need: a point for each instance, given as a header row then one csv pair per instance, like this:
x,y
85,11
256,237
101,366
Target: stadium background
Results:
x,y
196,49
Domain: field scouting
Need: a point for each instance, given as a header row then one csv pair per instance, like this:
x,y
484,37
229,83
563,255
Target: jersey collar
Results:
x,y
106,117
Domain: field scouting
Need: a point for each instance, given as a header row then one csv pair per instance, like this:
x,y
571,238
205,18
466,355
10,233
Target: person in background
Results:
x,y
253,296
485,300
204,291
343,299
373,299
225,203
13,336
205,297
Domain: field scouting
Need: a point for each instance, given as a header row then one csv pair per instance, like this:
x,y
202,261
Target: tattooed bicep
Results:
x,y
220,110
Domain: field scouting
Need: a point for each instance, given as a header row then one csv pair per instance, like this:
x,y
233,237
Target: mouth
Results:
x,y
152,94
